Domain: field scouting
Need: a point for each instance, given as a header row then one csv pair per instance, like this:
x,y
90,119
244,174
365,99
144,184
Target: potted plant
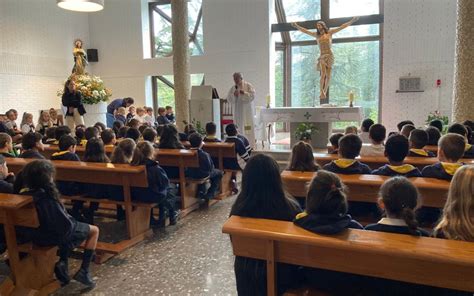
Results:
x,y
305,131
437,115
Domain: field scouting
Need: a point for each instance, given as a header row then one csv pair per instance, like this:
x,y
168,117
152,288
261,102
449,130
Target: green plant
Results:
x,y
305,131
197,126
436,115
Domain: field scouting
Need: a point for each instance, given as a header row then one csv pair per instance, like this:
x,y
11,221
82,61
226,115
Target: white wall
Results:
x,y
236,38
36,52
419,38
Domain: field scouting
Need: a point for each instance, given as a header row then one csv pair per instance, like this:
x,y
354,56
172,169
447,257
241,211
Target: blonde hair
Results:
x,y
350,130
26,115
457,220
121,111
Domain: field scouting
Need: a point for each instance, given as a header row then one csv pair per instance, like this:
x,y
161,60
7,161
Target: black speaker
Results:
x,y
92,55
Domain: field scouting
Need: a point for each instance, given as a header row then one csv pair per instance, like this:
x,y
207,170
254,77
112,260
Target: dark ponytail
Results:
x,y
400,198
326,195
38,175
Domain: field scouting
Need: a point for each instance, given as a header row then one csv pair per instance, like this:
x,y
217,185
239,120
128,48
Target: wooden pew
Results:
x,y
374,162
182,159
80,150
33,274
427,261
137,213
432,148
220,150
365,187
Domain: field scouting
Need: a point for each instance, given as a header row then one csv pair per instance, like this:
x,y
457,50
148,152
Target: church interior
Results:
x,y
237,147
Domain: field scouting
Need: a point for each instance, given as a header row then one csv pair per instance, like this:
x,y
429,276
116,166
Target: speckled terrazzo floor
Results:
x,y
191,258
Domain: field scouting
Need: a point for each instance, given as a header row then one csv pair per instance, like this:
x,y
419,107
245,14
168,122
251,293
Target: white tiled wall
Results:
x,y
418,40
36,52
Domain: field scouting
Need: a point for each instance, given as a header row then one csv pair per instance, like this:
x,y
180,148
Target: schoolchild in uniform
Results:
x,y
302,158
349,149
334,140
460,129
450,150
31,144
396,149
418,139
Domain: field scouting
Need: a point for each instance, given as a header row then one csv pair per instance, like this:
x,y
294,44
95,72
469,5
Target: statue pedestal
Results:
x,y
95,113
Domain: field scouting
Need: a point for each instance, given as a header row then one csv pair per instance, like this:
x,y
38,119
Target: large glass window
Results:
x,y
161,22
164,90
356,51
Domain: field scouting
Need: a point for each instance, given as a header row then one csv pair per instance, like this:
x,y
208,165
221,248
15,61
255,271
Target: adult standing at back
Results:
x,y
241,97
114,105
72,101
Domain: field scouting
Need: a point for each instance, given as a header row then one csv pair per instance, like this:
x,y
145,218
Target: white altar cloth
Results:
x,y
311,114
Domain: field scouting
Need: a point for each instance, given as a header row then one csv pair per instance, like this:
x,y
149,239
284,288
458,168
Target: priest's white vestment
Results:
x,y
243,109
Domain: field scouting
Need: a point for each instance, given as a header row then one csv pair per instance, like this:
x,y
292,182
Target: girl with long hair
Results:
x,y
302,158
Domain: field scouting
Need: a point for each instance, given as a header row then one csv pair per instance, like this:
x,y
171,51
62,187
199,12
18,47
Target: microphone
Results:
x,y
236,88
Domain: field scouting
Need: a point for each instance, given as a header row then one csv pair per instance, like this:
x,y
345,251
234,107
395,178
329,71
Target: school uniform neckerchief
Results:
x,y
419,151
402,169
468,147
301,215
450,168
59,153
344,163
25,189
83,142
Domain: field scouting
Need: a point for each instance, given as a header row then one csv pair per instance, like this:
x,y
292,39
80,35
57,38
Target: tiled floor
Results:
x,y
191,258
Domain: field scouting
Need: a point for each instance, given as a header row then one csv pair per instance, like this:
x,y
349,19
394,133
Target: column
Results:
x,y
463,97
182,80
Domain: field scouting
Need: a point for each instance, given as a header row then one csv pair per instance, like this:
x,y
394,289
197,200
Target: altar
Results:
x,y
321,117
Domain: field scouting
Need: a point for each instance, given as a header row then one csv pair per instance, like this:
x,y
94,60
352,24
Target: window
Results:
x,y
163,90
356,50
160,24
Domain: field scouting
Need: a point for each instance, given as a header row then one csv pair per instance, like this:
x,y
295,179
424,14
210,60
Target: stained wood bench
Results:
x,y
374,162
365,187
33,274
80,150
137,213
432,148
426,261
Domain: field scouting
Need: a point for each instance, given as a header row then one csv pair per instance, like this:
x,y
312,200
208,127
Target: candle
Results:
x,y
351,98
268,101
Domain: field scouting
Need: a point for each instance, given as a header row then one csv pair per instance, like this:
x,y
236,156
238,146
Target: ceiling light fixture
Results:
x,y
81,5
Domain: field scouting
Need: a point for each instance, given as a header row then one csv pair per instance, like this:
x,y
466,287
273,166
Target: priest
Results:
x,y
241,96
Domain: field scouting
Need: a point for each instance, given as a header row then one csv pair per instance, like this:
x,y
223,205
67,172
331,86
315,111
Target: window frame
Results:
x,y
283,27
154,7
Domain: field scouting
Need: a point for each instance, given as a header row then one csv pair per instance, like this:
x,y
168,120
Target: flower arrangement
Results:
x,y
304,131
92,89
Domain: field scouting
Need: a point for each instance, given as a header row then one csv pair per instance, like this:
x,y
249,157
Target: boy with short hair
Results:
x,y
377,134
401,124
450,150
6,178
170,114
141,115
205,169
349,148
211,129
90,132
334,140
149,134
60,132
121,115
396,149
242,155
108,137
67,149
161,119
50,137
460,129
406,130
418,139
149,117
437,124
31,144
244,140
364,134
6,146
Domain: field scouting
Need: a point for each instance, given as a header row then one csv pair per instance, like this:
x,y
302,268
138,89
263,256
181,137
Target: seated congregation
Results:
x,y
327,210
142,142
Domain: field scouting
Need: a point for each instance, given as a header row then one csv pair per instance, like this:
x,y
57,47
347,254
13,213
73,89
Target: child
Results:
x,y
406,130
398,197
55,119
120,115
31,145
149,134
377,134
50,137
131,113
396,149
141,115
450,150
67,149
433,135
108,137
100,126
334,140
237,163
460,129
211,130
170,114
6,179
169,140
350,130
205,169
27,125
89,133
116,126
56,226
401,124
245,141
60,132
6,145
149,118
134,123
457,220
123,132
158,190
302,158
438,124
133,133
326,206
161,119
349,149
12,116
418,139
188,130
44,122
364,134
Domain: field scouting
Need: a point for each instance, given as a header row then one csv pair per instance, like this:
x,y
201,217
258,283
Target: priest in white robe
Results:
x,y
241,96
